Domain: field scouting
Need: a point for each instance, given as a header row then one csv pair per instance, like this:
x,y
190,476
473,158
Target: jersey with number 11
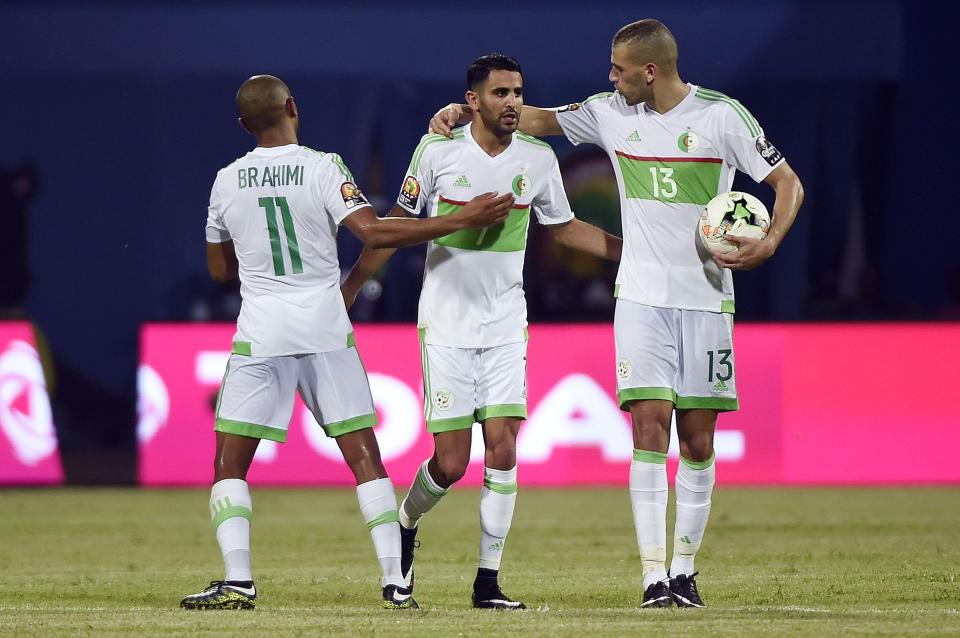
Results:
x,y
281,207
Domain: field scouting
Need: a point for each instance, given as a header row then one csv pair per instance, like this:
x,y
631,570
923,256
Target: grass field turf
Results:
x,y
798,562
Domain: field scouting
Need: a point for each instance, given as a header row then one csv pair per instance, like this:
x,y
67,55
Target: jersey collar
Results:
x,y
679,108
468,135
274,150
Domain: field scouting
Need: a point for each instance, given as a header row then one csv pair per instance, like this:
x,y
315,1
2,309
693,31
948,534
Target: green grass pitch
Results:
x,y
775,562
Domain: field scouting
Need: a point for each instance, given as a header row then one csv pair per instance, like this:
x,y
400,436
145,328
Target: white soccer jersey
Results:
x,y
472,294
281,207
668,167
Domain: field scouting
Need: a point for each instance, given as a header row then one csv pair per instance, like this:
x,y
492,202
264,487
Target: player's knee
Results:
x,y
697,447
452,468
501,455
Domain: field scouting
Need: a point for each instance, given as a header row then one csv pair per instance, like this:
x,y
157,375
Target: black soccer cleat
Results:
x,y
489,596
657,595
408,543
395,597
683,589
223,595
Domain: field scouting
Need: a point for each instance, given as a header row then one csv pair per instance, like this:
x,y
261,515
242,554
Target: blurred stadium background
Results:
x,y
117,116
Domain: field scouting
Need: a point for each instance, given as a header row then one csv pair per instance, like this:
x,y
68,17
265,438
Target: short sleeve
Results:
x,y
747,148
551,204
336,190
417,183
582,122
217,232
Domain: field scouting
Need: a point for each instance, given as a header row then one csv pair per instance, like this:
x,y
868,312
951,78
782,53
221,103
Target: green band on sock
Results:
x,y
393,516
646,456
698,465
426,484
500,488
231,512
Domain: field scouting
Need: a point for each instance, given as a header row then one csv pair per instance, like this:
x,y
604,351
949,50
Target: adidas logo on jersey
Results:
x,y
720,386
634,137
462,182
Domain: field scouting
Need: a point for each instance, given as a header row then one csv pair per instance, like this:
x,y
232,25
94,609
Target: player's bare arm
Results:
x,y
368,263
533,121
579,235
396,232
753,252
222,261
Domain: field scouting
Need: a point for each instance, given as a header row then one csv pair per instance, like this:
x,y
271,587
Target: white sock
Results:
x,y
694,487
497,500
231,510
423,495
648,495
378,504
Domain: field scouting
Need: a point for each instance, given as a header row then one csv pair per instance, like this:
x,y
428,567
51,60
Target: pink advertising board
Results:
x,y
28,442
819,404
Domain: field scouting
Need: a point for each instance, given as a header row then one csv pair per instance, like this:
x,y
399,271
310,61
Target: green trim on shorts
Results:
x,y
728,306
646,456
720,404
251,430
627,395
351,340
698,465
616,290
526,334
347,426
235,511
421,333
242,348
518,410
500,488
436,426
392,516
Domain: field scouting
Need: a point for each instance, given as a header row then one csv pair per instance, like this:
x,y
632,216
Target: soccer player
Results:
x,y
673,146
472,317
273,220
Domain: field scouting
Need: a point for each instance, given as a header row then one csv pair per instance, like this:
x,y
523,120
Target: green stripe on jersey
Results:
x,y
597,96
338,162
426,141
716,96
532,140
672,180
507,237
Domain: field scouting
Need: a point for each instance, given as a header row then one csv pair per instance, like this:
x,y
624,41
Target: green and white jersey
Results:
x,y
281,207
668,166
472,295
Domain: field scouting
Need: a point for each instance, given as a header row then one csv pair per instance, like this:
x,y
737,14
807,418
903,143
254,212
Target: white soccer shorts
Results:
x,y
683,356
256,395
463,386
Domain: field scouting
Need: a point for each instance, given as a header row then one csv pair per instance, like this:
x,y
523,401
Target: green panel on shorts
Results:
x,y
517,410
728,306
350,425
243,348
509,236
720,404
252,430
644,394
435,426
351,341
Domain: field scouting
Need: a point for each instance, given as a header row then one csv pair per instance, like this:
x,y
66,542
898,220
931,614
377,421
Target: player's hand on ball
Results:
x,y
445,119
749,254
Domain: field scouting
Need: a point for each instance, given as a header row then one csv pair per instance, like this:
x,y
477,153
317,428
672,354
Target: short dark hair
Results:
x,y
480,68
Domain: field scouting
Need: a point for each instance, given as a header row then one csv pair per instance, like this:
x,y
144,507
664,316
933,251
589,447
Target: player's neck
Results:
x,y
277,137
668,96
489,141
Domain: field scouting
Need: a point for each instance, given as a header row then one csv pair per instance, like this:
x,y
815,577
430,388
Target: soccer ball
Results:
x,y
737,213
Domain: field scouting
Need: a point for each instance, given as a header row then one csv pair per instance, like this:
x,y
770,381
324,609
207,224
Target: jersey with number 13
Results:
x,y
281,207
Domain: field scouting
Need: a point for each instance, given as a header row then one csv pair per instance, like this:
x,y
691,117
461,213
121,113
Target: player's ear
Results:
x,y
291,107
650,72
243,125
472,99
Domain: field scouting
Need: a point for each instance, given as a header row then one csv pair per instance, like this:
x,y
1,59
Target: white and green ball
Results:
x,y
737,213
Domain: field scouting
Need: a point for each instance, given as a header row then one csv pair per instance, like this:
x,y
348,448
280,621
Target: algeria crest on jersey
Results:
x,y
688,141
521,185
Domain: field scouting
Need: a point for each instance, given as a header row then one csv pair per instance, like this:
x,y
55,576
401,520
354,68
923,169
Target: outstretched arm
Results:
x,y
368,263
753,252
533,121
587,238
